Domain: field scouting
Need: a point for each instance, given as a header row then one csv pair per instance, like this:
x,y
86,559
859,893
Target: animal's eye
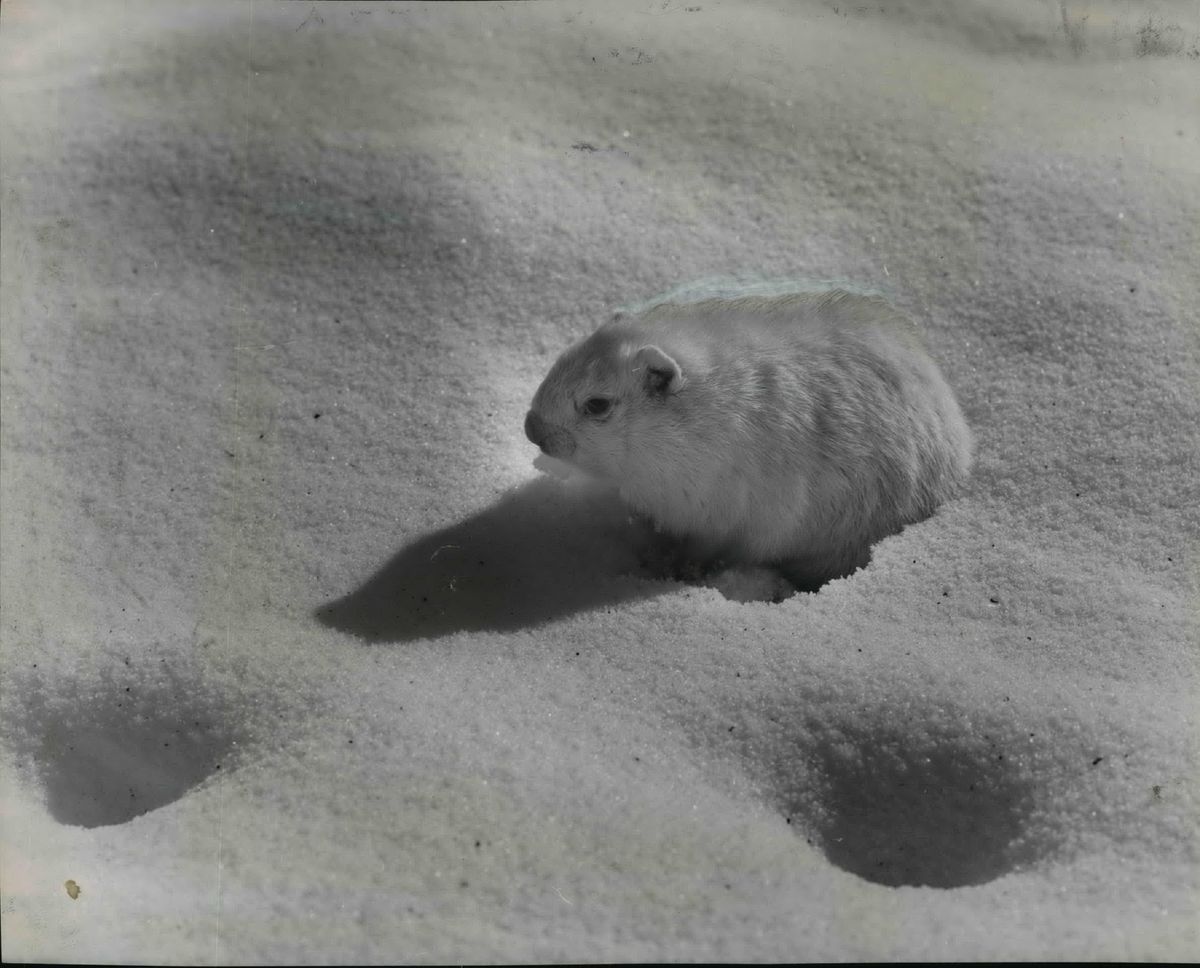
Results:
x,y
596,406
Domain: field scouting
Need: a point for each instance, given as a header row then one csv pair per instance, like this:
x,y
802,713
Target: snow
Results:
x,y
303,661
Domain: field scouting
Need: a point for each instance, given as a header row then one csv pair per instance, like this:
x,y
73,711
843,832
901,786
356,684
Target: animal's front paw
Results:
x,y
666,558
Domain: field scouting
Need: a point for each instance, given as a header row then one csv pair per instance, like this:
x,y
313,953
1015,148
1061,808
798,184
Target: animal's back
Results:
x,y
810,426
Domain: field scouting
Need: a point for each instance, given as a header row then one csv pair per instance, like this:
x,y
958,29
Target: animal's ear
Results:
x,y
661,375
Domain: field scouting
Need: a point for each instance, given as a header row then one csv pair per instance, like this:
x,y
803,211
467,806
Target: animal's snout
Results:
x,y
551,439
535,428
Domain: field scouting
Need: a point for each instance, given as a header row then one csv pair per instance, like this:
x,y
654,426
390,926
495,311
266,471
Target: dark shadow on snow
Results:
x,y
110,750
946,816
932,811
544,551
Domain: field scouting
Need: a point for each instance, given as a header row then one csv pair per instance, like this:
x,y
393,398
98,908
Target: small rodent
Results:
x,y
792,431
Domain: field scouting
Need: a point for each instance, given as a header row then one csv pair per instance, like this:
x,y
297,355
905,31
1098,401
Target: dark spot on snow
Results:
x,y
583,146
898,811
1157,791
106,753
994,600
316,416
1098,759
73,890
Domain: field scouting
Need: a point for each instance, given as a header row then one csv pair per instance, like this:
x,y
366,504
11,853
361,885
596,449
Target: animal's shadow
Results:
x,y
544,551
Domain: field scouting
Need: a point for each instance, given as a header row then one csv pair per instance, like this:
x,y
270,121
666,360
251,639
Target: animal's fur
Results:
x,y
793,431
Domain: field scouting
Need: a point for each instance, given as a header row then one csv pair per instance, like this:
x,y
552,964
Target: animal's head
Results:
x,y
598,397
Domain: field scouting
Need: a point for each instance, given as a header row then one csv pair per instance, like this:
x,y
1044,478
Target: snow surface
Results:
x,y
303,661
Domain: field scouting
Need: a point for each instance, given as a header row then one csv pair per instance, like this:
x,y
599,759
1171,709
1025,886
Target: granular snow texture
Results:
x,y
303,661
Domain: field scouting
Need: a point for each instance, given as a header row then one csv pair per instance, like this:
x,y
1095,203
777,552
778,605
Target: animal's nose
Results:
x,y
535,430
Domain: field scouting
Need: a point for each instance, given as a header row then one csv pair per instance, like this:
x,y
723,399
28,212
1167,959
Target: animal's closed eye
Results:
x,y
597,406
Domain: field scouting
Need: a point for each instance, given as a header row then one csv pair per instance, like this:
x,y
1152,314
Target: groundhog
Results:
x,y
792,431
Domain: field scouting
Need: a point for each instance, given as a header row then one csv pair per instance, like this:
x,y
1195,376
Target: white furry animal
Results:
x,y
792,431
